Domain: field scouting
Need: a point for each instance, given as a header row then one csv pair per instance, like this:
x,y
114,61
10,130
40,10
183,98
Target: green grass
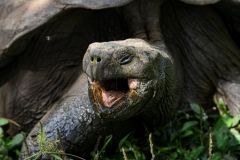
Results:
x,y
191,136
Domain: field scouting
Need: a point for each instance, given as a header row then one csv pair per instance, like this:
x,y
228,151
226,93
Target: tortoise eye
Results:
x,y
126,59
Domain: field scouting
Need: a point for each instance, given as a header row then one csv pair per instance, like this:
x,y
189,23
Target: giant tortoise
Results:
x,y
144,60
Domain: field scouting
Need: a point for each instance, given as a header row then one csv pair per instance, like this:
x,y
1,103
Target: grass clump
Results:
x,y
50,147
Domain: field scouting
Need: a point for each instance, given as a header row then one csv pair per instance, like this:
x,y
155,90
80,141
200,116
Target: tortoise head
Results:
x,y
126,77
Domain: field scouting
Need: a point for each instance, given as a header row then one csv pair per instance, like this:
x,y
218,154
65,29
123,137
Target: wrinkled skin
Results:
x,y
191,59
48,71
129,77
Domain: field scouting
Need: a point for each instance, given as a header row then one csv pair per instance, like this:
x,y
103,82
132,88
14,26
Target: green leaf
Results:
x,y
1,131
221,139
188,125
187,133
137,154
3,121
195,153
222,123
107,140
93,154
216,156
181,150
227,120
17,140
17,152
233,142
3,151
127,143
56,157
222,108
235,120
174,155
236,134
196,108
166,149
120,144
174,136
221,103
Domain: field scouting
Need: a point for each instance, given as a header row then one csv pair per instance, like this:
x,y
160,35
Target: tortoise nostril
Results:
x,y
95,59
99,59
92,58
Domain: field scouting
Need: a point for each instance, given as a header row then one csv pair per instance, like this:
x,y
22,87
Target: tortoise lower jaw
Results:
x,y
122,104
110,93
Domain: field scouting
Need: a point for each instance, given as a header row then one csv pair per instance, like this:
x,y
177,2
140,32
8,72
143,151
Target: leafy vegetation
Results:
x,y
190,136
100,154
9,147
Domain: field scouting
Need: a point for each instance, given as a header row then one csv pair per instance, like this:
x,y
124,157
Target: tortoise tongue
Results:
x,y
114,90
110,97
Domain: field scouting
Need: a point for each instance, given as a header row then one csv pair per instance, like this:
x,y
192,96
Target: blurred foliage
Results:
x,y
9,147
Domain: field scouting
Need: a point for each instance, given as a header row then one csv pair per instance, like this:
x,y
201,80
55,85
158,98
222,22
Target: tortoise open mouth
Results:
x,y
111,92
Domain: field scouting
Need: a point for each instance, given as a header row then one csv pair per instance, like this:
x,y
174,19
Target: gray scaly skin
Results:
x,y
152,68
184,57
